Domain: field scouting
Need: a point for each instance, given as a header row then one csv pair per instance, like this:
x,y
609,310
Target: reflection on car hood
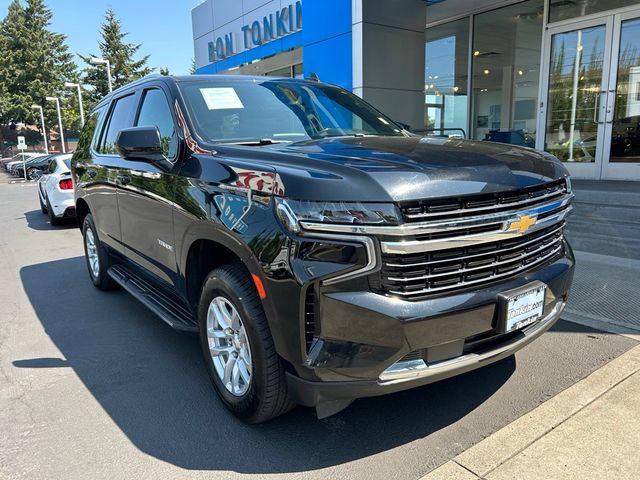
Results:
x,y
398,168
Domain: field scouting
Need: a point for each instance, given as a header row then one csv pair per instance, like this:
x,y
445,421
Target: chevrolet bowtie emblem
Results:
x,y
523,224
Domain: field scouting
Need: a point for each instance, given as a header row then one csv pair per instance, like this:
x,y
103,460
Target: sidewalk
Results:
x,y
605,293
589,431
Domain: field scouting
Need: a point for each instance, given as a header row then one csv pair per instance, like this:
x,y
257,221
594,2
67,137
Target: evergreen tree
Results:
x,y
124,68
164,71
36,62
192,68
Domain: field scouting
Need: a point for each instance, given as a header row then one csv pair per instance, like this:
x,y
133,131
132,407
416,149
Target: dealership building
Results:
x,y
558,75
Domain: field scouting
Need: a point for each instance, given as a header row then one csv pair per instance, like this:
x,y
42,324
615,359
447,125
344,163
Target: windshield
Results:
x,y
40,158
280,110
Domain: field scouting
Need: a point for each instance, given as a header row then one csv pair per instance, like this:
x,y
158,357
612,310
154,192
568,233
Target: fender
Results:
x,y
230,202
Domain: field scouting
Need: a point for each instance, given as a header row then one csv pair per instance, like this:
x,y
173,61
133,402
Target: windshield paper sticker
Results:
x,y
232,207
220,98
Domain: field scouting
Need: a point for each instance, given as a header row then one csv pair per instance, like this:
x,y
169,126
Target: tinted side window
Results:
x,y
155,112
119,118
52,166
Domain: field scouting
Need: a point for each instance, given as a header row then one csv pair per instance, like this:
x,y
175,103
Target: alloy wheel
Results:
x,y
92,253
229,346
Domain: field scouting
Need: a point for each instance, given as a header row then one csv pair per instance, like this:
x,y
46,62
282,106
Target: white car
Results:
x,y
55,190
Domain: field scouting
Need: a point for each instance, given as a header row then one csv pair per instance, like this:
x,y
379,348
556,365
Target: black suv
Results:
x,y
321,252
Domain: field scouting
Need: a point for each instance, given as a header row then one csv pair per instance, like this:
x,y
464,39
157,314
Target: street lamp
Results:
x,y
77,85
55,99
44,131
103,61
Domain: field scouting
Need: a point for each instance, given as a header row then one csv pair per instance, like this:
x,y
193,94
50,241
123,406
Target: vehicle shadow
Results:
x,y
36,220
153,384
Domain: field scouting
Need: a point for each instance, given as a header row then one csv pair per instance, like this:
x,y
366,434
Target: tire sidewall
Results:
x,y
43,207
99,281
226,286
52,216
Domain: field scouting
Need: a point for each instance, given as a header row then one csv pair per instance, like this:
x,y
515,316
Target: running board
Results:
x,y
167,308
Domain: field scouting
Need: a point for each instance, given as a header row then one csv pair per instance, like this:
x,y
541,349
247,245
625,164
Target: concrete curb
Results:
x,y
486,456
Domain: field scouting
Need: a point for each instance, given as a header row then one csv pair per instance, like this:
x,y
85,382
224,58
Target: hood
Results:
x,y
382,169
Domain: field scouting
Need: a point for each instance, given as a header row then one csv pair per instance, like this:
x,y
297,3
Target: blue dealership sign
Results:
x,y
258,31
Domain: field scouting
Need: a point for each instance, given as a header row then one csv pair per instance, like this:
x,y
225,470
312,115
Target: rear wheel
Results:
x,y
96,256
239,353
43,207
53,220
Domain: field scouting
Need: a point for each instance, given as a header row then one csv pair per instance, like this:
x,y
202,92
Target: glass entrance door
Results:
x,y
622,124
576,95
590,113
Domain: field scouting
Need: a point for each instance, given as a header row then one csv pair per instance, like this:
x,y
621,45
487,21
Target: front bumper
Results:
x,y
315,393
366,341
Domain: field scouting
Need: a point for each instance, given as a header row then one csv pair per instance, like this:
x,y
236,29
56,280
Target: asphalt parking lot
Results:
x,y
92,385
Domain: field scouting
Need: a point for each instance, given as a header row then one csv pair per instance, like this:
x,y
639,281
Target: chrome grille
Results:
x,y
462,242
471,205
416,275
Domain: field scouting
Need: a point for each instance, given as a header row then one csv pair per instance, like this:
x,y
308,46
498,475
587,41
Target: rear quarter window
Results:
x,y
89,133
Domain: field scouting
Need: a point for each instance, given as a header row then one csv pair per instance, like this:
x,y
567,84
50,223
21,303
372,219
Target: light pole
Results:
x,y
55,99
44,131
103,61
77,85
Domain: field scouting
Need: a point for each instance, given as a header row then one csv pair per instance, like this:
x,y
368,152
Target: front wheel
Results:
x,y
239,353
33,174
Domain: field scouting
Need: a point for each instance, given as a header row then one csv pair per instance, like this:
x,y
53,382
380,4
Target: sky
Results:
x,y
162,27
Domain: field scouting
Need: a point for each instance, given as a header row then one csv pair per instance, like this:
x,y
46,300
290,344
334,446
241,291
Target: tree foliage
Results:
x,y
113,47
35,64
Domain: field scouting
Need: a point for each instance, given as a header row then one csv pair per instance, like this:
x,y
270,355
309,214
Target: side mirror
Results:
x,y
142,144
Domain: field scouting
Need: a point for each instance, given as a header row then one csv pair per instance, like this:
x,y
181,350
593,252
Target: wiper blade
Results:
x,y
258,143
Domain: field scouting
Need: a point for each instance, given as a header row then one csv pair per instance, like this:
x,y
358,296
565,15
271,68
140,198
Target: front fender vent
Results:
x,y
310,330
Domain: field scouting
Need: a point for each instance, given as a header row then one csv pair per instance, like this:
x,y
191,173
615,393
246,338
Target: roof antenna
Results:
x,y
313,76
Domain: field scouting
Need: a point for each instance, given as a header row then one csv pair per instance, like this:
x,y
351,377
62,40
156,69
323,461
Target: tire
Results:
x,y
43,207
53,220
266,394
99,276
31,172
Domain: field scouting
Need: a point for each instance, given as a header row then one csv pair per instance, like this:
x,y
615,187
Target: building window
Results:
x,y
564,10
446,77
506,72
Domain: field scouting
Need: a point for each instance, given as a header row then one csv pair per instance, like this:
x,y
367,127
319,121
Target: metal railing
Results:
x,y
431,131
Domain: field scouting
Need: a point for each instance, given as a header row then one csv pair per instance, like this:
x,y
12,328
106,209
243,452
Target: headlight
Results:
x,y
567,180
291,212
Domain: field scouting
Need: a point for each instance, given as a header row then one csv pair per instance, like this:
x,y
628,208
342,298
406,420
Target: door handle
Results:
x,y
92,173
610,104
600,105
123,179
